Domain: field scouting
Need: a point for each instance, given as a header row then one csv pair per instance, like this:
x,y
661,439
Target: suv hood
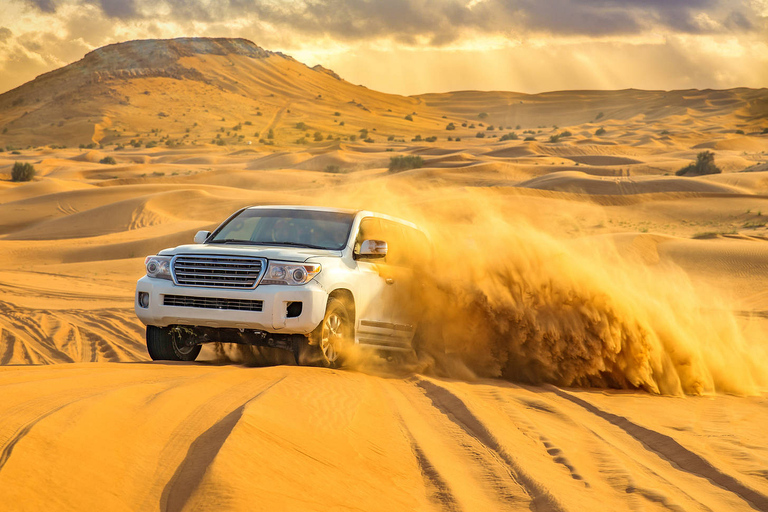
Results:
x,y
297,254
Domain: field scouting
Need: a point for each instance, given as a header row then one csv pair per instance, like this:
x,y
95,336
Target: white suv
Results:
x,y
306,279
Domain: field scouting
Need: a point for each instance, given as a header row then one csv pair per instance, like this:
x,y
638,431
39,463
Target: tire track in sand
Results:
x,y
673,452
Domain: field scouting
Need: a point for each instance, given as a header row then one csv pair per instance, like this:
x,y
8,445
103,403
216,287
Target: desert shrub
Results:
x,y
318,136
740,132
335,169
258,114
237,127
363,133
337,114
600,131
5,130
704,164
765,130
490,128
150,144
391,138
301,126
405,162
271,134
329,137
22,171
220,142
15,152
480,135
566,133
472,125
599,115
457,139
368,140
409,117
482,115
530,138
518,127
416,139
302,140
450,139
353,138
450,126
555,137
431,139
664,132
107,160
509,136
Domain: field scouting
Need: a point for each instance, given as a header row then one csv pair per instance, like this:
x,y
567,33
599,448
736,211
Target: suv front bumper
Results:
x,y
273,316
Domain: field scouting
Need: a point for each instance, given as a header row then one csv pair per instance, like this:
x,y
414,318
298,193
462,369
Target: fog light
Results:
x,y
294,309
144,299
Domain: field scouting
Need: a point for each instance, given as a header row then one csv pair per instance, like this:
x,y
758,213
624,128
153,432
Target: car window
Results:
x,y
321,229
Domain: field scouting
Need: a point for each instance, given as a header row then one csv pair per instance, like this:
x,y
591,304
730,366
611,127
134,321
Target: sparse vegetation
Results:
x,y
482,115
271,134
405,162
740,132
22,171
108,160
555,137
509,136
409,117
301,126
450,126
600,131
599,116
529,138
480,135
318,137
431,139
705,164
334,169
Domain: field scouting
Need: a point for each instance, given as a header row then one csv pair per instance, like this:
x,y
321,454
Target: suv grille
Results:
x,y
217,271
212,303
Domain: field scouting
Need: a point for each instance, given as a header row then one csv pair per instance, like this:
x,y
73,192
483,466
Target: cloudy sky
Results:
x,y
416,46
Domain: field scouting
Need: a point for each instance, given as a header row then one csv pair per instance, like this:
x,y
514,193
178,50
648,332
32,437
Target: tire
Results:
x,y
329,341
163,346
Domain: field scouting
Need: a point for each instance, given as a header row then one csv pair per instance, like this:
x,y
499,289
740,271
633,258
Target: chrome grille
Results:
x,y
217,271
212,303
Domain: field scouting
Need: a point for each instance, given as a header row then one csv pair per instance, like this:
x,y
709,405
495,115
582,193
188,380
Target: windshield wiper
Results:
x,y
297,244
234,241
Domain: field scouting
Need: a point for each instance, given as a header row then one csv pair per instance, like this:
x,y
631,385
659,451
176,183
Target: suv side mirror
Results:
x,y
201,236
373,248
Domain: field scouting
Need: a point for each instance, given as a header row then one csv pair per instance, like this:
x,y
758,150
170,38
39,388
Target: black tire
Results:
x,y
162,346
328,342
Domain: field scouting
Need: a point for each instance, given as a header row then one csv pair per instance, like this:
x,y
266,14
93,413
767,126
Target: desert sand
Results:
x,y
605,321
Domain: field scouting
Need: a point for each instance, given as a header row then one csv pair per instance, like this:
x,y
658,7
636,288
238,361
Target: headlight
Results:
x,y
158,266
280,272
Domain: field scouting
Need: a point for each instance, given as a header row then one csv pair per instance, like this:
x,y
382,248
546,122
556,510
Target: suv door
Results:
x,y
375,293
405,251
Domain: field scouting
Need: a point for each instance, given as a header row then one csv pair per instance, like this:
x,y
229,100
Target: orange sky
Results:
x,y
417,46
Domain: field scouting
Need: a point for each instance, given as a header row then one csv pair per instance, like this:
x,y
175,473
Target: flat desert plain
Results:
x,y
604,320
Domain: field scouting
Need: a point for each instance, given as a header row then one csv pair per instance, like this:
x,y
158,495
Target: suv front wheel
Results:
x,y
162,345
329,341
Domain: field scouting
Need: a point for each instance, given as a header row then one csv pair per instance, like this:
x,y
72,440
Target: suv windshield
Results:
x,y
302,228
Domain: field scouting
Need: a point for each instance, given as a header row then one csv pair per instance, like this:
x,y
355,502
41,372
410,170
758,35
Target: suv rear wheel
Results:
x,y
329,340
162,345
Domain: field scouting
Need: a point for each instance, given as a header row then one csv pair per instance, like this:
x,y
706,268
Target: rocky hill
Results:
x,y
195,91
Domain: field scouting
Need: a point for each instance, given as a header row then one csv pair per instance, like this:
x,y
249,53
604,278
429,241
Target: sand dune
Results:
x,y
577,281
203,437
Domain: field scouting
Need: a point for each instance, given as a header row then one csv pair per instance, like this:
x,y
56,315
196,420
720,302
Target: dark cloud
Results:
x,y
440,22
119,8
43,5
